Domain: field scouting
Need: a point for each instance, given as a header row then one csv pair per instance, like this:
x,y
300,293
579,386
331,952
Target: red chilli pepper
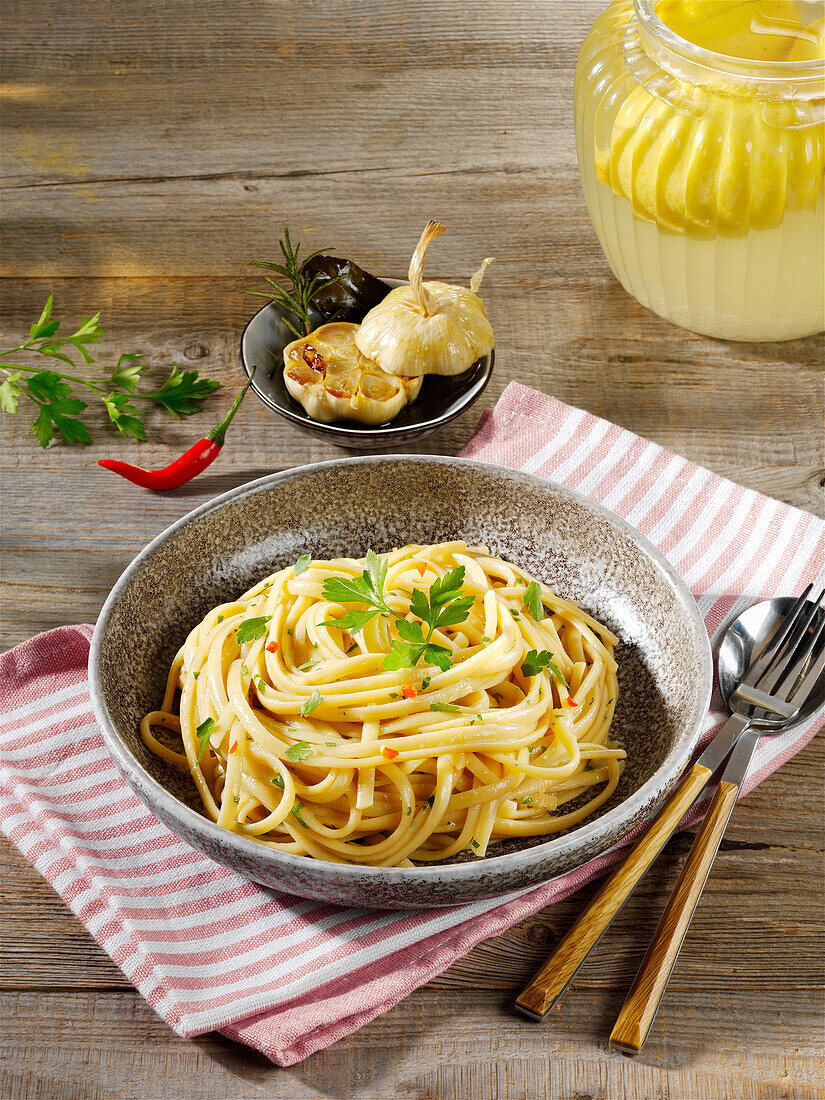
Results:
x,y
408,691
272,647
568,702
389,754
183,469
234,748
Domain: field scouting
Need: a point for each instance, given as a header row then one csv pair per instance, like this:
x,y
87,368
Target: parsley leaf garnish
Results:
x,y
278,780
302,564
445,708
310,704
202,733
251,629
296,811
441,607
299,751
534,662
532,601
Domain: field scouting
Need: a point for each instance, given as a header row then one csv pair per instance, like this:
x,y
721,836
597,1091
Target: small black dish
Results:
x,y
440,400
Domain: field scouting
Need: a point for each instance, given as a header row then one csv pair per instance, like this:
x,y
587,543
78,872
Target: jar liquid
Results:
x,y
708,198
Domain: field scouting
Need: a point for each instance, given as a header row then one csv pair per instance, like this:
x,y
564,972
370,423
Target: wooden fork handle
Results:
x,y
637,1014
537,998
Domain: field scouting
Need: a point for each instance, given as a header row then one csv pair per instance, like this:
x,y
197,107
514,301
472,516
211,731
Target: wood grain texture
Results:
x,y
151,149
639,1009
548,984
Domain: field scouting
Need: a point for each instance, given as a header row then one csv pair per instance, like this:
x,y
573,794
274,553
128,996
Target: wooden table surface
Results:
x,y
150,150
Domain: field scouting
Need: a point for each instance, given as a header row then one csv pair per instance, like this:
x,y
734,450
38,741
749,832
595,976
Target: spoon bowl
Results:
x,y
743,642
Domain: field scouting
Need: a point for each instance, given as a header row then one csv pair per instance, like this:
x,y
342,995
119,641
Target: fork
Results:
x,y
552,979
775,687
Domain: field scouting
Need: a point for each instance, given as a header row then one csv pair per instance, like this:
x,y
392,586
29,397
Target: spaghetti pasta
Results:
x,y
394,710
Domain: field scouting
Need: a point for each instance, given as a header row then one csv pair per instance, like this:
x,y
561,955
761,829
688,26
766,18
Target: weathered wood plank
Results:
x,y
463,1045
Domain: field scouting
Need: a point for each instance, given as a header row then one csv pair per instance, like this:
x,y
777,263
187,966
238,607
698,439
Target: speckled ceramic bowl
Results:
x,y
346,507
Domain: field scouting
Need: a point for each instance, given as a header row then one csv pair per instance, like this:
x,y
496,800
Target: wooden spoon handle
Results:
x,y
638,1011
537,998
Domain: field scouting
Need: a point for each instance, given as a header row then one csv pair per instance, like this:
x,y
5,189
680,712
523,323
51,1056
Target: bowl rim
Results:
x,y
342,430
644,798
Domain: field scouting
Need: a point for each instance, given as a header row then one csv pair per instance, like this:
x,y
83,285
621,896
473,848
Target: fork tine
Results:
x,y
760,665
778,664
800,679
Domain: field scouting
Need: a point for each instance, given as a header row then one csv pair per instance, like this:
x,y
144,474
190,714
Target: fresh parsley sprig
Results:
x,y
296,298
443,606
52,390
534,662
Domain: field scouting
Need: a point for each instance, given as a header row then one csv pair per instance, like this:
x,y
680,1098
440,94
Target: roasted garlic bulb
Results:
x,y
427,328
327,374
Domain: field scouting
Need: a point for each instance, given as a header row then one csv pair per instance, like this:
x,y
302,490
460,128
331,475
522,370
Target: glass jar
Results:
x,y
703,175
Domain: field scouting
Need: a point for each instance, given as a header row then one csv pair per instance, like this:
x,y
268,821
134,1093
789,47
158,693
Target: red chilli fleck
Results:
x,y
568,702
389,754
408,691
272,647
422,568
233,747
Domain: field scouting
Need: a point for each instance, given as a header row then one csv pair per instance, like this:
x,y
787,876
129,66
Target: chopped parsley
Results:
x,y
251,629
302,564
202,733
445,708
307,665
476,844
428,802
532,601
296,813
299,752
425,683
310,704
278,780
485,640
534,662
514,613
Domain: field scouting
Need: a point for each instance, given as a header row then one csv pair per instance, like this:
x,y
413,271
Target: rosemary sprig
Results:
x,y
296,298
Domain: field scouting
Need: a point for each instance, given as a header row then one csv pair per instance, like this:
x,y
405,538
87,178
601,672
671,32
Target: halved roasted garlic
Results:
x,y
427,328
330,377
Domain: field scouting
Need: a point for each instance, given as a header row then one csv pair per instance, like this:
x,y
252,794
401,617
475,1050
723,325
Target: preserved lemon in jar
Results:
x,y
700,128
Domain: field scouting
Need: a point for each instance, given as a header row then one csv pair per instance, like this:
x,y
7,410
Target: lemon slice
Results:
x,y
327,374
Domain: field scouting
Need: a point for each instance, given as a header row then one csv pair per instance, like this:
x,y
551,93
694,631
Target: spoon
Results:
x,y
753,635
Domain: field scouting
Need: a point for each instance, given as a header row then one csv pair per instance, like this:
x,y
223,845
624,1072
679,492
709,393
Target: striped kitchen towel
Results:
x,y
288,976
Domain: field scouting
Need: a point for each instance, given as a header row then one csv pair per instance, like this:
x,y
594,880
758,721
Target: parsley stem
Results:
x,y
68,377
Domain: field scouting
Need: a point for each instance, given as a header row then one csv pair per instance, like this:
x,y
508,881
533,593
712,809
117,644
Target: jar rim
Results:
x,y
741,67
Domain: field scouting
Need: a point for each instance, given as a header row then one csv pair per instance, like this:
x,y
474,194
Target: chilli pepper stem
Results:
x,y
183,469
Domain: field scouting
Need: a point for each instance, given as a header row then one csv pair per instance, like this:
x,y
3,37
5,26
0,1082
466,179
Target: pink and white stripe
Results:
x,y
289,976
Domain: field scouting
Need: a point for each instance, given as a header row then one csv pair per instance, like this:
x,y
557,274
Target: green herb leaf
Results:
x,y
534,662
485,640
128,371
445,588
428,802
307,665
296,811
10,393
183,392
43,327
402,655
445,708
124,415
439,655
278,780
514,613
302,564
425,683
299,751
251,629
353,621
312,703
202,733
476,844
532,601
